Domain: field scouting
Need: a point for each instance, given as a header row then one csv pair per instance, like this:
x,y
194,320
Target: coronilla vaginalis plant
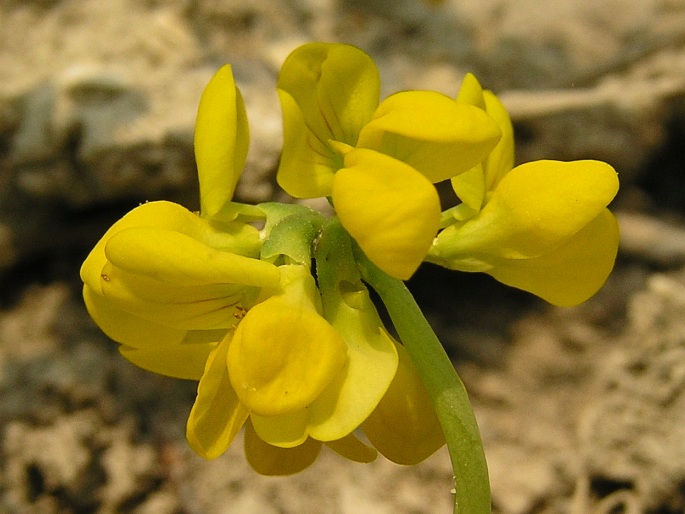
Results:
x,y
267,306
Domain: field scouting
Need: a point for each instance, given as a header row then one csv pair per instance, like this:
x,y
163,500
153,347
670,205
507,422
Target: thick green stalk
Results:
x,y
444,386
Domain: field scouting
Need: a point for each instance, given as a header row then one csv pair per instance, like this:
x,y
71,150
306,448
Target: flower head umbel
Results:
x,y
267,305
542,226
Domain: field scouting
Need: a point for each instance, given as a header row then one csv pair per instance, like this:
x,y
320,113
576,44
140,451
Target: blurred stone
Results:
x,y
98,100
632,433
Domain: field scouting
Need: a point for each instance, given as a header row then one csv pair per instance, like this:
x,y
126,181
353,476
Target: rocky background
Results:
x,y
582,410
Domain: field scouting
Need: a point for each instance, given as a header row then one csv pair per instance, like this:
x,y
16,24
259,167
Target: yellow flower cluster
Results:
x,y
294,352
542,226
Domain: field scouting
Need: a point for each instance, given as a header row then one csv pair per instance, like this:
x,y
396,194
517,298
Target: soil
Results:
x,y
582,410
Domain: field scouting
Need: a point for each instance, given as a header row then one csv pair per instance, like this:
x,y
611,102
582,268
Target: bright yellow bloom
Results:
x,y
299,380
541,226
328,92
167,283
383,387
336,136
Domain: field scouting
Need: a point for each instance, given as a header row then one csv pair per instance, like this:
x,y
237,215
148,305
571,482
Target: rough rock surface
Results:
x,y
97,100
581,409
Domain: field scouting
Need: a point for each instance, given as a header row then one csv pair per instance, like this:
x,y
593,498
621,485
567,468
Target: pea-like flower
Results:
x,y
168,283
377,162
275,368
298,381
402,424
542,226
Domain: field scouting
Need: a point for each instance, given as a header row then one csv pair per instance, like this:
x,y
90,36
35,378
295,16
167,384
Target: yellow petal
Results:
x,y
186,361
536,207
231,237
370,368
298,287
572,273
501,160
150,338
327,91
404,426
307,163
205,312
353,449
431,132
471,92
217,415
336,86
173,257
162,214
270,460
390,209
283,357
169,293
221,141
126,328
285,430
470,187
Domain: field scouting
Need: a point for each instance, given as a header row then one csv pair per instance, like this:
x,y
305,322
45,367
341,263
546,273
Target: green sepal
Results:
x,y
289,231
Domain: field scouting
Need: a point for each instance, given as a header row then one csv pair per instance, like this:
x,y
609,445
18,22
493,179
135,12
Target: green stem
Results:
x,y
444,386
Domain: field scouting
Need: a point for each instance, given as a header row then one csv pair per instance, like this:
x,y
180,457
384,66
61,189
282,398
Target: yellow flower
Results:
x,y
542,226
382,159
381,385
297,379
167,283
162,280
162,277
328,92
303,369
